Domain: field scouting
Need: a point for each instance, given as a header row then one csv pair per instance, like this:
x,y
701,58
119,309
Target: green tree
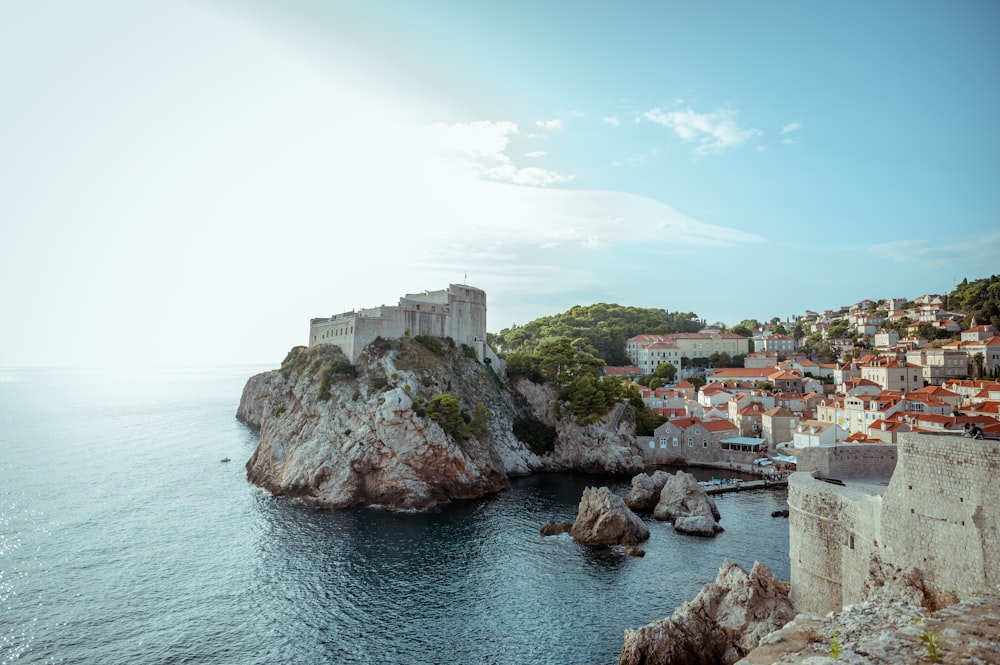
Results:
x,y
561,360
603,326
446,411
665,371
479,426
978,359
697,380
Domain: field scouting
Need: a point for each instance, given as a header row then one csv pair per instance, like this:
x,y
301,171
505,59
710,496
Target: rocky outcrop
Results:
x,y
684,503
724,622
333,435
603,519
645,491
604,447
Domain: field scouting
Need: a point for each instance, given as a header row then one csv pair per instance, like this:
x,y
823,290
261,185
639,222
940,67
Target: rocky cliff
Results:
x,y
334,435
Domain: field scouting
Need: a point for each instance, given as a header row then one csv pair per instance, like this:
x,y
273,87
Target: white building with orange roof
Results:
x,y
813,433
978,333
858,386
893,374
887,430
941,363
760,359
952,399
747,415
690,345
884,338
973,391
714,394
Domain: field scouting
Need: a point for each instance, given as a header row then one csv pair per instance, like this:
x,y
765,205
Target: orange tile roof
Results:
x,y
718,425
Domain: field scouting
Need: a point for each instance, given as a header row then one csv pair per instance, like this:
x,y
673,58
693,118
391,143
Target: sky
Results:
x,y
188,183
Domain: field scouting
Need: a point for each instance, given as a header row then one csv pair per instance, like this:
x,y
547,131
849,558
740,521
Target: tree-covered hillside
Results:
x,y
605,327
979,300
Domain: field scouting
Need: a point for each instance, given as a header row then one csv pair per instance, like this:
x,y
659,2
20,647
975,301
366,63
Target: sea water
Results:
x,y
125,539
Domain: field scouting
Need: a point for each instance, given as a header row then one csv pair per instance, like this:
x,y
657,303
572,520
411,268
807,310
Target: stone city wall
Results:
x,y
935,519
941,512
848,460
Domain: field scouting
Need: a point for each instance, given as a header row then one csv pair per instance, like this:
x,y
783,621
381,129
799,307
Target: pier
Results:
x,y
742,485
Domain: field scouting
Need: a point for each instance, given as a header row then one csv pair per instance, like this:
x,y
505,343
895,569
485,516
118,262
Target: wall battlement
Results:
x,y
932,517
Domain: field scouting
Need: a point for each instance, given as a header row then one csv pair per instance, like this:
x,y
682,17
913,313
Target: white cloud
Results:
x,y
713,132
536,154
971,255
481,147
612,120
789,132
550,124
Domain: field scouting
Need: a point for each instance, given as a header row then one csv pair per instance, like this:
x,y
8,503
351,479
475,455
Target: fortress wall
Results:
x,y
849,460
941,511
339,330
458,312
938,515
832,539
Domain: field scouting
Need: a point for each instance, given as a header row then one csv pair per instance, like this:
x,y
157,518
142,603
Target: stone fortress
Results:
x,y
458,312
924,513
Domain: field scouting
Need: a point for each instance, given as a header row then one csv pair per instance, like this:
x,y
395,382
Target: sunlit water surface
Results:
x,y
124,539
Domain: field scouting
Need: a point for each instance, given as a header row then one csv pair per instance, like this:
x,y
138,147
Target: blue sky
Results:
x,y
190,182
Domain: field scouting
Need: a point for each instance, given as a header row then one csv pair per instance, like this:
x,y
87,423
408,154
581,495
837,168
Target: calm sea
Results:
x,y
125,539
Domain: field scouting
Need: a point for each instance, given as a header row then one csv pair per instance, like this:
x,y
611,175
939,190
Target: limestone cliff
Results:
x,y
334,435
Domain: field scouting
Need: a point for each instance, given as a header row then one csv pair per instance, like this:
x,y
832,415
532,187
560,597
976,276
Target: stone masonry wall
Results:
x,y
937,516
941,511
849,460
831,541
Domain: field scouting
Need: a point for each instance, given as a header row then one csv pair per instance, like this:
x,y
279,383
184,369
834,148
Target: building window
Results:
x,y
675,442
652,444
704,443
690,442
663,442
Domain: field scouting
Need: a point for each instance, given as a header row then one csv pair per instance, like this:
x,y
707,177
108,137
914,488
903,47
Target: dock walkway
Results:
x,y
743,485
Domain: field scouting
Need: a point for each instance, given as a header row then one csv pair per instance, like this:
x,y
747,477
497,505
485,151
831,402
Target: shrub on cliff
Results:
x,y
446,411
539,437
432,344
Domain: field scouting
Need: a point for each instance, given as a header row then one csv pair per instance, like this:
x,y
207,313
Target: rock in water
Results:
x,y
684,503
553,528
645,492
604,519
724,622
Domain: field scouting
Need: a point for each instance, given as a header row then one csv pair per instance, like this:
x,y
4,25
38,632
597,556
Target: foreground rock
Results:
x,y
684,503
724,622
886,629
645,492
334,435
604,519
